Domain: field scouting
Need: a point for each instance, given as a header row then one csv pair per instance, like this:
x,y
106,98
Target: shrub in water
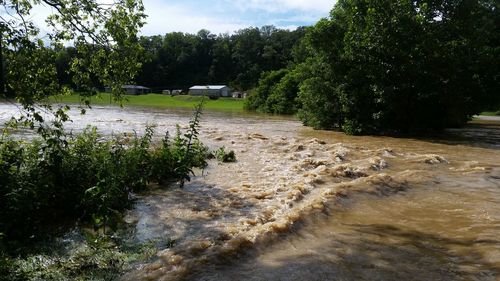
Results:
x,y
63,177
223,156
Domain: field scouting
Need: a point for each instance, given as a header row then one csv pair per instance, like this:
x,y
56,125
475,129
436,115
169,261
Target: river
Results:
x,y
301,204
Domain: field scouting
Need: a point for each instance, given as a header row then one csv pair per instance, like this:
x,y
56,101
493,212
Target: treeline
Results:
x,y
180,60
391,66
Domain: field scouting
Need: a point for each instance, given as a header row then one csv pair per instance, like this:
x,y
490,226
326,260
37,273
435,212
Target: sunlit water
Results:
x,y
301,204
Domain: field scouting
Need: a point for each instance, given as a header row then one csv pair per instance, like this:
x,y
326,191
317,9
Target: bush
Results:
x,y
225,157
277,92
258,99
62,177
169,160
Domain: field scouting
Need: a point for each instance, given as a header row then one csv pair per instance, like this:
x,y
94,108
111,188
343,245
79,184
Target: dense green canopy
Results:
x,y
380,66
179,60
182,60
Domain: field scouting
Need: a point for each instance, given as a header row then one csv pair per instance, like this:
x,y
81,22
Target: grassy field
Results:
x,y
160,101
491,113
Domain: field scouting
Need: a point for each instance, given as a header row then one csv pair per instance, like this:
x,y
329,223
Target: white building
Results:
x,y
210,90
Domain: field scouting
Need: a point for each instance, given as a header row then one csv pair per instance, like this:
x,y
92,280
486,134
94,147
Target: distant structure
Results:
x,y
236,95
176,92
166,92
211,91
239,95
136,90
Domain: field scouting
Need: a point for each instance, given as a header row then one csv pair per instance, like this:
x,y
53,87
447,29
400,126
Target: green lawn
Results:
x,y
491,113
160,101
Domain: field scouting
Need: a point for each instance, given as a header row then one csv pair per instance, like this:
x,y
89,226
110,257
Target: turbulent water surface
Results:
x,y
301,204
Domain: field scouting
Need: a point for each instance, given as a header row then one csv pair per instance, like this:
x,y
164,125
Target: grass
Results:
x,y
160,101
79,256
491,113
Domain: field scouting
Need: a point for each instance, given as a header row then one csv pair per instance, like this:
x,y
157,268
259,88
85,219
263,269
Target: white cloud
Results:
x,y
221,16
39,15
166,17
274,6
218,16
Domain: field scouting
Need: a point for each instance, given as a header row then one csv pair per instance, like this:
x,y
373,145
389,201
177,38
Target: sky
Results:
x,y
221,16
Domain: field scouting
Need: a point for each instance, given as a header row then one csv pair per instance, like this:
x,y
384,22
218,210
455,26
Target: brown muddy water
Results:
x,y
301,204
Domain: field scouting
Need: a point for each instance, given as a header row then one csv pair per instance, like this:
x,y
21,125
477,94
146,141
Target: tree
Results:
x,y
104,38
247,55
402,65
180,60
222,69
267,83
277,91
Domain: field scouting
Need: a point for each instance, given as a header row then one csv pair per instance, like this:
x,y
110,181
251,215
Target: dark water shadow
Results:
x,y
370,252
344,251
482,134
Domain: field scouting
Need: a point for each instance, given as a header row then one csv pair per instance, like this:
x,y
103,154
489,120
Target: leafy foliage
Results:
x,y
321,110
258,99
401,65
175,159
59,178
86,177
179,60
277,91
223,156
105,50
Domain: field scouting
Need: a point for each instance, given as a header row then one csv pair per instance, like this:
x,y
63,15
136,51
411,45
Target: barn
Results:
x,y
210,90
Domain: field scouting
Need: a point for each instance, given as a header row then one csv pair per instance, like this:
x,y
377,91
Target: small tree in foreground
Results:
x,y
104,35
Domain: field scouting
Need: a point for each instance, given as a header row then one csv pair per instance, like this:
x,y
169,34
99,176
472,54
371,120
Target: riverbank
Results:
x,y
490,113
158,101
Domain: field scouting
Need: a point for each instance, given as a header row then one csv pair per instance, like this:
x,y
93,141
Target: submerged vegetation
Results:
x,y
225,156
80,256
87,177
372,66
60,180
402,65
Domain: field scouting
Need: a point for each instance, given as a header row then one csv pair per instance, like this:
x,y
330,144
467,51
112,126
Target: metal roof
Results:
x,y
208,87
134,87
